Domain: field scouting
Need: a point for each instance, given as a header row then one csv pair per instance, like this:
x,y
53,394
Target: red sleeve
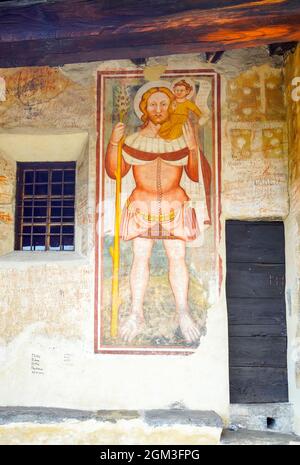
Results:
x,y
206,172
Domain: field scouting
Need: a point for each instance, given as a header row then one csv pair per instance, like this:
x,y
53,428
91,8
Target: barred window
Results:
x,y
45,206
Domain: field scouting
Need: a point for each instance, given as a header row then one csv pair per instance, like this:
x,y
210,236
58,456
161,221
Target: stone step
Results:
x,y
250,437
19,425
262,417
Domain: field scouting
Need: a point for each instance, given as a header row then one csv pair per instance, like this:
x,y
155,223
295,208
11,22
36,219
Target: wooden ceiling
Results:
x,y
54,32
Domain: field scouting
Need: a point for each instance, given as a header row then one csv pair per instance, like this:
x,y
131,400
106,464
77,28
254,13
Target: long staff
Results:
x,y
116,247
123,105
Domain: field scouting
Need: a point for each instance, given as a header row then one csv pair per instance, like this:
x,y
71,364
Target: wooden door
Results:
x,y
255,289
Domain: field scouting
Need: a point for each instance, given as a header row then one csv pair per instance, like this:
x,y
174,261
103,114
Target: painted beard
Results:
x,y
159,119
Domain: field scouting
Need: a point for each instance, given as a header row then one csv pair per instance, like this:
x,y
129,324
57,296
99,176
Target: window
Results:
x,y
45,206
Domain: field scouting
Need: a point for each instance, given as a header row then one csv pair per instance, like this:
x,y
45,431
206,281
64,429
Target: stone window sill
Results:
x,y
19,258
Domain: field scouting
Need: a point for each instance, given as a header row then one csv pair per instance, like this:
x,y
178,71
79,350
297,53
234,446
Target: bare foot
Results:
x,y
188,328
131,327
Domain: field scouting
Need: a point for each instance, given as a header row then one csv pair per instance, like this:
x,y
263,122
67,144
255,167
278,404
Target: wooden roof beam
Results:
x,y
58,32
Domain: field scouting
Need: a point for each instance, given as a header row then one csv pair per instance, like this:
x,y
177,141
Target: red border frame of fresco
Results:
x,y
216,120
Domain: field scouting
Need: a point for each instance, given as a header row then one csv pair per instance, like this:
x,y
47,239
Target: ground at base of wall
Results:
x,y
57,426
51,426
251,437
92,432
86,433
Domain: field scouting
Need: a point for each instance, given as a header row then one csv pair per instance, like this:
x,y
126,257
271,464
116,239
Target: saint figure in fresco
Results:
x,y
159,207
179,110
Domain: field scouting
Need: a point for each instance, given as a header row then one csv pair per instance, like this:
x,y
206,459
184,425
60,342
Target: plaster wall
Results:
x,y
46,299
292,224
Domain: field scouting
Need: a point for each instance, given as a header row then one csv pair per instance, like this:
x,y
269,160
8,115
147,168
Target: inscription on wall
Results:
x,y
256,139
36,365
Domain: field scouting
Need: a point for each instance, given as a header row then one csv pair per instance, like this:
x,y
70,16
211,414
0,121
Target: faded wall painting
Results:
x,y
255,138
157,223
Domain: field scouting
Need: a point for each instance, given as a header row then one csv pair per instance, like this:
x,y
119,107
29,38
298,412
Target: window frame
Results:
x,y
19,199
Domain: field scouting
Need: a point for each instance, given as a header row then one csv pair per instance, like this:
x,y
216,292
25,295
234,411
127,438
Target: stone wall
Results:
x,y
292,226
46,300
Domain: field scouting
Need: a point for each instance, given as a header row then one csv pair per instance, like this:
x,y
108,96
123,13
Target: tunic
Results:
x,y
176,223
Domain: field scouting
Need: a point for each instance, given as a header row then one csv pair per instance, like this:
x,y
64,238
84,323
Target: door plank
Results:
x,y
251,311
256,330
258,385
255,242
257,351
255,280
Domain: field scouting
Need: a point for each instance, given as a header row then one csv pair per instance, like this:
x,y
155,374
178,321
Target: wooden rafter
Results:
x,y
56,32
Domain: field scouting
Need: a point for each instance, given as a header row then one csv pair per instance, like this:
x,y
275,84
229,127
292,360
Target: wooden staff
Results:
x,y
116,247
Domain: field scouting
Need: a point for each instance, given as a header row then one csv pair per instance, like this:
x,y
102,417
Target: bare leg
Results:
x,y
139,277
179,280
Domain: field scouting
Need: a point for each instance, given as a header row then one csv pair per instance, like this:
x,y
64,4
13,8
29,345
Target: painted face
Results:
x,y
157,107
180,91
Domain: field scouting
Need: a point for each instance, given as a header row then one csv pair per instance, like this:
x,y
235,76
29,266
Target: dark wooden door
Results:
x,y
255,289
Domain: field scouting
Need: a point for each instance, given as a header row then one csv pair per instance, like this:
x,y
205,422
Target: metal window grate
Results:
x,y
45,206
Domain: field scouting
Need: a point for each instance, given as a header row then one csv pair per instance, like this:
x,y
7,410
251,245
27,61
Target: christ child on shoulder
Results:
x,y
179,111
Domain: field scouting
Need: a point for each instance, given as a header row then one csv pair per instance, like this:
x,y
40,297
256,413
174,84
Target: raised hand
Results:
x,y
117,133
189,135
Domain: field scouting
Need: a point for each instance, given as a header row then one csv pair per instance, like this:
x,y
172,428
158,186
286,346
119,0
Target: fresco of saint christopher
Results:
x,y
158,208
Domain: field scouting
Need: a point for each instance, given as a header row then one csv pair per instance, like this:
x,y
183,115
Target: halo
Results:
x,y
189,81
143,89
